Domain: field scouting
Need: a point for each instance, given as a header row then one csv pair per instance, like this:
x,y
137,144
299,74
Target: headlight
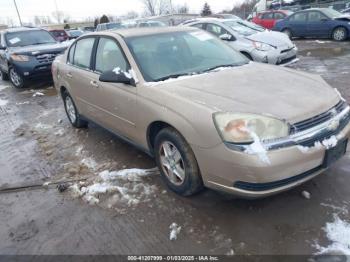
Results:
x,y
262,46
246,128
20,58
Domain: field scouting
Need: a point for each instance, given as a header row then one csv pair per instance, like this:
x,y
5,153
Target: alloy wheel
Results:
x,y
172,163
15,78
70,109
339,34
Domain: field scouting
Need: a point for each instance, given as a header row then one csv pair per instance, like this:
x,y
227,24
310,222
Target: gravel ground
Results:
x,y
135,215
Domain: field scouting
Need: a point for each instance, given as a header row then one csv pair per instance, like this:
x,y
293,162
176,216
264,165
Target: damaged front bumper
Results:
x,y
292,160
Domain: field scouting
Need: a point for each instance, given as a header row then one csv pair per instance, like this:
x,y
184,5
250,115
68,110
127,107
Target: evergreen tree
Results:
x,y
104,19
206,10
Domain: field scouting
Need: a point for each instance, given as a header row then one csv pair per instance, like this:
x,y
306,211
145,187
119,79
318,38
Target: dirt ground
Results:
x,y
37,144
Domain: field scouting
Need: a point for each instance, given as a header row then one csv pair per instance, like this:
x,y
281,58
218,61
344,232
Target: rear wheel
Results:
x,y
16,79
339,34
72,112
288,32
177,163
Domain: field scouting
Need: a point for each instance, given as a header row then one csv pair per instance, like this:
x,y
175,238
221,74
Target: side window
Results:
x,y
83,51
267,16
109,56
71,54
316,16
200,26
278,16
216,30
299,17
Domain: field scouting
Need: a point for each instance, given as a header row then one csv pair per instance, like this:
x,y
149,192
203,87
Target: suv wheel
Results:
x,y
72,112
339,34
16,79
177,163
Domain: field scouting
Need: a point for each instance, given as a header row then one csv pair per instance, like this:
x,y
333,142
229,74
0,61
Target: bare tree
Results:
x,y
158,7
131,15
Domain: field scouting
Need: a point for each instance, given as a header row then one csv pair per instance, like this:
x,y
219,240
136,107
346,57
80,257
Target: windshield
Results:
x,y
169,55
30,37
332,13
243,27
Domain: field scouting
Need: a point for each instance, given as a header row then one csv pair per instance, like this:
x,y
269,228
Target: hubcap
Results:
x,y
339,34
172,163
70,109
15,78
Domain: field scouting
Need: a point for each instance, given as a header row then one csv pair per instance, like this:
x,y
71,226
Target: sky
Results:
x,y
78,9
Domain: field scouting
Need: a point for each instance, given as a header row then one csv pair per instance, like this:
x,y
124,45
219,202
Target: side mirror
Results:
x,y
117,76
226,37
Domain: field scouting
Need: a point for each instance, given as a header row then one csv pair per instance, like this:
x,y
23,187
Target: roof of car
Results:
x,y
131,32
19,29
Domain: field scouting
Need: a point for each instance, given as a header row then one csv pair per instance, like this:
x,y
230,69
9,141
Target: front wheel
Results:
x,y
177,163
16,79
339,34
72,112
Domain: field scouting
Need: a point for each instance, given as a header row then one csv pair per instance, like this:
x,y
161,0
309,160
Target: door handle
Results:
x,y
69,75
93,83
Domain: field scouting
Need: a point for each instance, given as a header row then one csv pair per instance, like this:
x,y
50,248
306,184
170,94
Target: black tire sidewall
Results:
x,y
22,80
64,96
193,181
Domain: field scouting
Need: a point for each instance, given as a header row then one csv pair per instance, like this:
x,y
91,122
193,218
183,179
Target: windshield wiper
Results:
x,y
218,66
172,76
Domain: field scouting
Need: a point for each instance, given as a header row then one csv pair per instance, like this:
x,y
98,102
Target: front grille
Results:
x,y
287,60
46,58
286,50
319,119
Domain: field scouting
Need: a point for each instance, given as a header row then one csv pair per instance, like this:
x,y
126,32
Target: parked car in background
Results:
x,y
59,35
73,34
151,24
208,116
88,29
109,26
224,16
268,19
254,41
27,54
316,22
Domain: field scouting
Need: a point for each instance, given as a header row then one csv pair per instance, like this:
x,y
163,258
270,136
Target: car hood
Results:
x,y
283,93
39,49
276,39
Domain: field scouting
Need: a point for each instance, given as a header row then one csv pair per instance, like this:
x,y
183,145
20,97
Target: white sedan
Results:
x,y
253,41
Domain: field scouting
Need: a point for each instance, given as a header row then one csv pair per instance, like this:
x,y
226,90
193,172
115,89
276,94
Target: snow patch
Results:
x,y
23,103
257,148
330,142
119,189
117,70
3,102
306,194
338,232
174,231
3,87
38,94
42,126
327,143
89,163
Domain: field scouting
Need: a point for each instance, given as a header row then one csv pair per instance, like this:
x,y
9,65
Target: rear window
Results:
x,y
30,37
83,52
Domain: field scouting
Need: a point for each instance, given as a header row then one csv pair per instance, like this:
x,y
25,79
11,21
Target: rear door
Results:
x,y
267,20
115,102
298,24
318,24
80,78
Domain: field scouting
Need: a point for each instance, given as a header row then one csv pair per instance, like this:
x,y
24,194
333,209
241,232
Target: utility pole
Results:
x,y
19,17
57,12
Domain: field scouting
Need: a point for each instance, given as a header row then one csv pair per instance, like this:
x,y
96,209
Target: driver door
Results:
x,y
116,102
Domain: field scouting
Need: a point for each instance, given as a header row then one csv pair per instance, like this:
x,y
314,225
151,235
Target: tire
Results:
x,y
72,112
288,32
177,163
4,76
339,34
16,79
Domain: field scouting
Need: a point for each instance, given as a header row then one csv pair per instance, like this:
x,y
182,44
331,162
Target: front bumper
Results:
x,y
32,71
276,56
233,171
